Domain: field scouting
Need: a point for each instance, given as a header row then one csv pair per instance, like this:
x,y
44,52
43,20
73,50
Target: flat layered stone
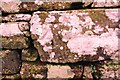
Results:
x,y
24,6
16,17
105,3
13,35
11,61
13,6
30,54
33,70
75,35
11,77
59,72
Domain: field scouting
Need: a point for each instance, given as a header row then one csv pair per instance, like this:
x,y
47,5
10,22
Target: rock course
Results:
x,y
59,40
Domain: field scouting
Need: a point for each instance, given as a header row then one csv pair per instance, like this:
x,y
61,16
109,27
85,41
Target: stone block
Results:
x,y
13,6
59,72
14,35
75,35
11,61
33,70
105,3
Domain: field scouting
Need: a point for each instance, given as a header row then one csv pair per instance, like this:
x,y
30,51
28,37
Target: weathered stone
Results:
x,y
19,6
16,17
13,35
109,70
105,3
30,54
12,6
11,77
33,70
88,72
77,70
59,72
71,36
11,61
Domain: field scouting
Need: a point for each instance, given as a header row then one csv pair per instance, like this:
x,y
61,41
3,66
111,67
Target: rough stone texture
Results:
x,y
16,17
11,77
10,61
56,33
105,3
33,70
13,6
13,35
109,70
88,73
56,40
19,6
59,72
30,54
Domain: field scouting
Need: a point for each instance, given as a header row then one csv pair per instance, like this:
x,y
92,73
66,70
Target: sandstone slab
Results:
x,y
33,71
75,35
14,35
11,61
59,72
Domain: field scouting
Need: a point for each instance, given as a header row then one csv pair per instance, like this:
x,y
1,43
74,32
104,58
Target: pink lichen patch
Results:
x,y
35,19
47,48
39,2
98,29
50,19
113,14
88,44
69,20
9,29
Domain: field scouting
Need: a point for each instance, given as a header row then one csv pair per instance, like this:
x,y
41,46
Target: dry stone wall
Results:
x,y
59,40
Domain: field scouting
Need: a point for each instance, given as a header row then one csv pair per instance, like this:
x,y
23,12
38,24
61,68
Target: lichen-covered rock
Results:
x,y
13,35
24,6
105,3
12,6
33,70
30,54
59,72
70,36
16,17
11,61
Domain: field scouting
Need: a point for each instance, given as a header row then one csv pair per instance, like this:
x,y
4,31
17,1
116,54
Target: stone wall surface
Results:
x,y
59,40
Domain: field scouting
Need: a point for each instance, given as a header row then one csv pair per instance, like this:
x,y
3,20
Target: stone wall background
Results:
x,y
59,40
